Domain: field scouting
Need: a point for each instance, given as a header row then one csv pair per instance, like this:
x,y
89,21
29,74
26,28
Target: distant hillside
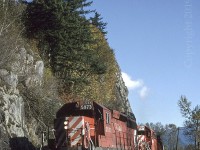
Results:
x,y
184,140
170,139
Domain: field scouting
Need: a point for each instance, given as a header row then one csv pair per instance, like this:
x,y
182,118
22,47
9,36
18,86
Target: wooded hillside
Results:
x,y
52,52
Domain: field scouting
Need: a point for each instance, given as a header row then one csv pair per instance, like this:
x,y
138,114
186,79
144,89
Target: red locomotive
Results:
x,y
92,126
147,139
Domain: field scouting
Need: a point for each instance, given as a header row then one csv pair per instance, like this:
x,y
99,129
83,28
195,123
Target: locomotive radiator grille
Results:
x,y
75,127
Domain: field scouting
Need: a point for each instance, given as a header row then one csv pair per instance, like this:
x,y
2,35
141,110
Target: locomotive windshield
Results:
x,y
148,134
141,132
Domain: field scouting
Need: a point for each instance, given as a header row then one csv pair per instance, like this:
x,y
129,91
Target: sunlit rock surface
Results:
x,y
13,127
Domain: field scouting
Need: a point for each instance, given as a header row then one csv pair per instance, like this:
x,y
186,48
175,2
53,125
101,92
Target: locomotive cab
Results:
x,y
144,137
74,126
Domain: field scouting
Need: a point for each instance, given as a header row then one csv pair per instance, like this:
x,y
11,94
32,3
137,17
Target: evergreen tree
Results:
x,y
65,37
97,21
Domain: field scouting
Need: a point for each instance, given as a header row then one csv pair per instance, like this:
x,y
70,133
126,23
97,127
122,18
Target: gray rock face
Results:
x,y
4,139
25,67
35,79
12,115
122,93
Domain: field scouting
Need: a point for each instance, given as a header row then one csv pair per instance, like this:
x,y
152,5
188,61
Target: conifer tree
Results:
x,y
97,21
64,33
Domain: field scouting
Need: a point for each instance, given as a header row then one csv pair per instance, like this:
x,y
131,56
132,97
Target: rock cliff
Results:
x,y
122,93
13,125
19,127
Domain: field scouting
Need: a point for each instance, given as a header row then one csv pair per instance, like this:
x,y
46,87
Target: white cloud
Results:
x,y
143,93
131,84
137,85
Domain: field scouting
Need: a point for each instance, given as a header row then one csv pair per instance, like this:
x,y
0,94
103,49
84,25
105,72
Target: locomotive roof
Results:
x,y
75,108
70,107
101,106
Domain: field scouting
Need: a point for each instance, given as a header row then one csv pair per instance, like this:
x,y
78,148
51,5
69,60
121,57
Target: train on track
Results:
x,y
148,140
92,126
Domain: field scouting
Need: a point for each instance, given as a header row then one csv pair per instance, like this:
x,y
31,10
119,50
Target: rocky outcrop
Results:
x,y
24,69
122,93
27,71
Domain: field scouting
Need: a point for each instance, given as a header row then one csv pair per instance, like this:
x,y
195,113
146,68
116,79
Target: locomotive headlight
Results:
x,y
65,122
65,125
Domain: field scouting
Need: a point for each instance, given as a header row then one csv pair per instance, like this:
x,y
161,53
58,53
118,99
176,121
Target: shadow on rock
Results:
x,y
21,143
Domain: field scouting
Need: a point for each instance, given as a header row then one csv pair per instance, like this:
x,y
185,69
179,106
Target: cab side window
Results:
x,y
107,118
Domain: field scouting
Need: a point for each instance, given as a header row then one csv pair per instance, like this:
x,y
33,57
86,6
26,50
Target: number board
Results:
x,y
86,106
141,128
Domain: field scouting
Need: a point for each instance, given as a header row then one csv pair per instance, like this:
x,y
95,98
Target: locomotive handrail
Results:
x,y
87,137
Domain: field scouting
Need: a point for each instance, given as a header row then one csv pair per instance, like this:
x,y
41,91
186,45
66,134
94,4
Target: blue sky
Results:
x,y
157,46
